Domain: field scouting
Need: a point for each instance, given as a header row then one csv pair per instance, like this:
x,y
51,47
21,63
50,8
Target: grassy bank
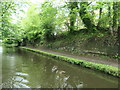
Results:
x,y
100,67
9,45
97,44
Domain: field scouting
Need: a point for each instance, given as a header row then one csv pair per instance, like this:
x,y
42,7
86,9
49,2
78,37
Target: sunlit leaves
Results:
x,y
39,24
7,8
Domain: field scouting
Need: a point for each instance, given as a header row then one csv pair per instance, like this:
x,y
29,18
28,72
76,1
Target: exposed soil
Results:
x,y
99,60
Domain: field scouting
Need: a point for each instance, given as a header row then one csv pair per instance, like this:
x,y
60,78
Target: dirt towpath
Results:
x,y
81,57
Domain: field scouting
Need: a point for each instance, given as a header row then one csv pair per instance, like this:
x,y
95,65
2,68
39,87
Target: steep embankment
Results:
x,y
81,44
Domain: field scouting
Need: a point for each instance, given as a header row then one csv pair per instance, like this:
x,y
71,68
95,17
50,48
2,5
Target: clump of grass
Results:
x,y
114,71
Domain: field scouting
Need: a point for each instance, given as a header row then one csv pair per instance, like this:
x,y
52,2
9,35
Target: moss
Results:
x,y
101,67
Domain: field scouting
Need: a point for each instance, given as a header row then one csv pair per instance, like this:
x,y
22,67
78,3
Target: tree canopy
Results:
x,y
42,22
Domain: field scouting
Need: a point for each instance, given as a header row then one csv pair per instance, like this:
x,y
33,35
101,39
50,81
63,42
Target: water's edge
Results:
x,y
100,67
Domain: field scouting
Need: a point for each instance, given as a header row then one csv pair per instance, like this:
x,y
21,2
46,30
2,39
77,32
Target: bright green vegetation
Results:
x,y
68,24
50,20
101,67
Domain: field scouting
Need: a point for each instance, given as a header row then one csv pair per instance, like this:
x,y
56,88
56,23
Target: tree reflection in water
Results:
x,y
63,79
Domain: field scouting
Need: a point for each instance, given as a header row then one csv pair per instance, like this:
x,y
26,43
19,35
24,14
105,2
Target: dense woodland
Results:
x,y
46,22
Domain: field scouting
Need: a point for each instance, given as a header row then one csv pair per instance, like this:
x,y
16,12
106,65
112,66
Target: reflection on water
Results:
x,y
0,67
27,69
0,49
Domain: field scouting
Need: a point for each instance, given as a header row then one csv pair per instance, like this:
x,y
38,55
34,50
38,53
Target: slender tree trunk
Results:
x,y
115,16
110,20
119,41
119,31
100,15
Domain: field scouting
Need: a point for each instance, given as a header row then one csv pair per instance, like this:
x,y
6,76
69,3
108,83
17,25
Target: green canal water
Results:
x,y
25,69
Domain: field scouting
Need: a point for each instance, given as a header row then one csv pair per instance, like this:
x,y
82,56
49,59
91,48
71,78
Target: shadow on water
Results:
x,y
27,69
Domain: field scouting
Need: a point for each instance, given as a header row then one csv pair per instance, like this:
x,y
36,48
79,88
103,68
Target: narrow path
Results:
x,y
87,58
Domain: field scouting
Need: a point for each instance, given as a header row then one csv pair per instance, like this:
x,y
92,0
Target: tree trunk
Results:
x,y
86,20
100,15
110,20
24,42
119,31
72,6
119,42
115,16
19,43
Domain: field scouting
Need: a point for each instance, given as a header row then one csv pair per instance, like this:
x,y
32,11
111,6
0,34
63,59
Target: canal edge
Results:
x,y
107,69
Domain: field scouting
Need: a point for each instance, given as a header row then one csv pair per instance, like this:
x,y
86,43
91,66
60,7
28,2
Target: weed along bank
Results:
x,y
114,71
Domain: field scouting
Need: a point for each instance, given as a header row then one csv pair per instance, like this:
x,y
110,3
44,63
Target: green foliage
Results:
x,y
39,25
30,24
48,21
48,18
7,28
6,9
6,41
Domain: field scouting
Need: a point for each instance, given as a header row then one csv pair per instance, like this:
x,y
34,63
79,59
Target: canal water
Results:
x,y
25,69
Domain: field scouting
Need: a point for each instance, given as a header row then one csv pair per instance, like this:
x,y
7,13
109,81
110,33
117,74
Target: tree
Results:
x,y
39,23
48,17
118,28
6,9
100,16
86,20
115,16
72,6
110,19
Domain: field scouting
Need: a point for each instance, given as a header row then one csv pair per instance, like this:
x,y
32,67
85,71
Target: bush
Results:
x,y
7,41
